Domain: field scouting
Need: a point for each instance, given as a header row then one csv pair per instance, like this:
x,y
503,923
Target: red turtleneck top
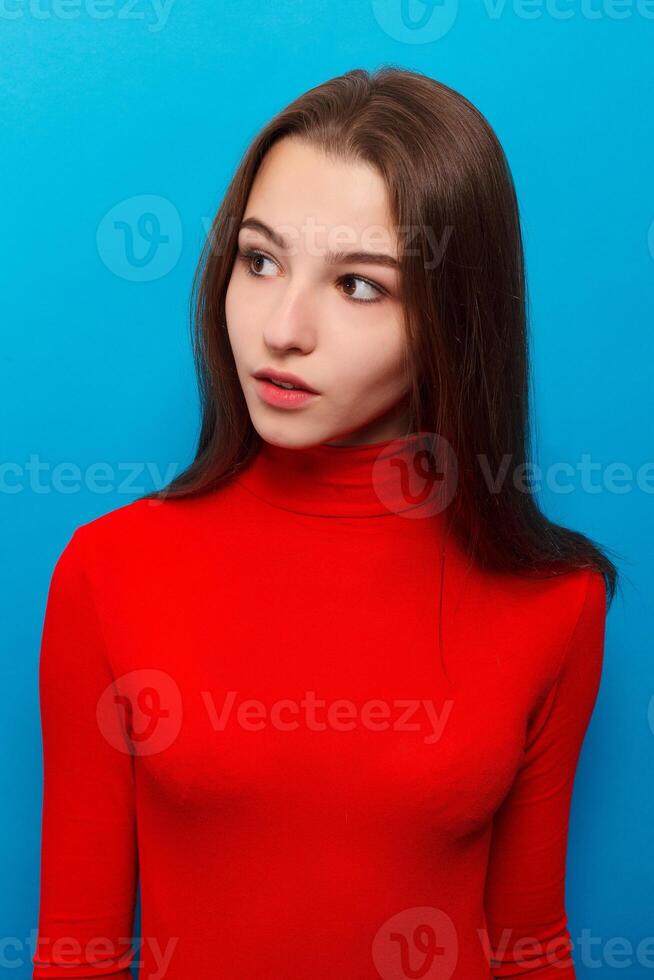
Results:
x,y
255,704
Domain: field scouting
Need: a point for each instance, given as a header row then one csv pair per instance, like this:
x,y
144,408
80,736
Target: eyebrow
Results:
x,y
331,258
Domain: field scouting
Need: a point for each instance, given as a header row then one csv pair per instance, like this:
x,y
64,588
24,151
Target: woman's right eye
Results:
x,y
248,257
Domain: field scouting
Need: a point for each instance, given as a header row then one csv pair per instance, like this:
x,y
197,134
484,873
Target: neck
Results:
x,y
362,480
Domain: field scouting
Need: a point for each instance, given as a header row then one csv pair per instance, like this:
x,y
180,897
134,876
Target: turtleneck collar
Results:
x,y
369,480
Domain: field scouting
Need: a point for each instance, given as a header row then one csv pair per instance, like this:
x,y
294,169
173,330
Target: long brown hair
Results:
x,y
448,183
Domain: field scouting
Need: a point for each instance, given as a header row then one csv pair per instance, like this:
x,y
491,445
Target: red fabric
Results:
x,y
388,805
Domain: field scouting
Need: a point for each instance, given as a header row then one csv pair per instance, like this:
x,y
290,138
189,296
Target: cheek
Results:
x,y
233,301
235,309
373,363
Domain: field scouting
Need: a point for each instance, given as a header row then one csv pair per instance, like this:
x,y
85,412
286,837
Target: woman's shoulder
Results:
x,y
580,594
532,623
148,529
569,610
559,599
127,522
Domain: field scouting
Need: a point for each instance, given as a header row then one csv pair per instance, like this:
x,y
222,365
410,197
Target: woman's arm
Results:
x,y
88,841
525,886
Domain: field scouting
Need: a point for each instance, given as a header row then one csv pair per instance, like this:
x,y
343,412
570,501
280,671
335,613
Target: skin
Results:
x,y
297,312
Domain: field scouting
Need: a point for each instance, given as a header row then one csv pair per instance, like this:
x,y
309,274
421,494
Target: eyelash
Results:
x,y
246,257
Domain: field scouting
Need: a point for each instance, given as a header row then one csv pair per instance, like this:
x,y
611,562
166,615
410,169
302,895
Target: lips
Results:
x,y
267,374
280,397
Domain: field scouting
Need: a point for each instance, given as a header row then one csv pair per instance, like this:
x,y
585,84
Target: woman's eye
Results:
x,y
249,258
356,288
369,293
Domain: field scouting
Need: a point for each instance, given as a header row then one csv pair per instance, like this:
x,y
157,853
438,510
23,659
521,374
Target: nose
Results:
x,y
291,325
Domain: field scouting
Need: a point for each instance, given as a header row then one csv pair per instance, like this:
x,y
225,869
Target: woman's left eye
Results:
x,y
371,292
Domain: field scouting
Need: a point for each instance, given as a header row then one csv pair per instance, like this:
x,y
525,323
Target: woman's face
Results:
x,y
334,322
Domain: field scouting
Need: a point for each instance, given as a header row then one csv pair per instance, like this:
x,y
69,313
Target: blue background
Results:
x,y
113,112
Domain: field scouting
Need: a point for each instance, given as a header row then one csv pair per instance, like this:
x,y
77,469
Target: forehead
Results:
x,y
306,195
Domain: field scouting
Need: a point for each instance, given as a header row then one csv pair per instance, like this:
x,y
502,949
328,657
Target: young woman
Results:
x,y
324,696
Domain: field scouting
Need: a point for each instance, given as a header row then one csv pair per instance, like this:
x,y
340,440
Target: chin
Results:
x,y
288,435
